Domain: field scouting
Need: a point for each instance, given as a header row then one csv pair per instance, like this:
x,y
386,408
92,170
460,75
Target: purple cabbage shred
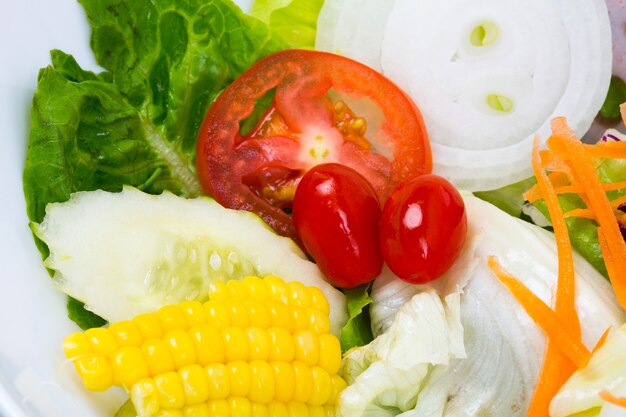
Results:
x,y
606,137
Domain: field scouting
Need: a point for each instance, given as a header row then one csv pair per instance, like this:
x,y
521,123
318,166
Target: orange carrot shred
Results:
x,y
610,398
555,371
557,178
543,315
617,202
556,367
565,140
613,265
602,339
566,287
584,213
616,150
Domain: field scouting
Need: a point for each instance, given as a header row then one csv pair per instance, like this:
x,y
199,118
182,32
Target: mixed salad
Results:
x,y
340,208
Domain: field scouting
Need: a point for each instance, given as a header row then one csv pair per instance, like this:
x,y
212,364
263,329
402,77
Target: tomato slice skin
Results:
x,y
301,80
422,229
336,213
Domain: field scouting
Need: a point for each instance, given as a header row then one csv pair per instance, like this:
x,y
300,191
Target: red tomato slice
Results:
x,y
259,171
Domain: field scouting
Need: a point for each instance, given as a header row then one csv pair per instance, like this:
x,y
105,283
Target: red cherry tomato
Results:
x,y
305,126
423,227
336,214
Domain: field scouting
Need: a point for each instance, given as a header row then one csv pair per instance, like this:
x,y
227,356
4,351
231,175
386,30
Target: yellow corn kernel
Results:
x,y
129,366
217,314
322,386
236,291
318,300
171,317
218,291
197,410
235,344
148,325
240,407
239,377
145,397
195,384
258,344
101,340
194,312
277,288
338,384
317,411
298,295
277,409
259,410
297,409
258,314
158,356
255,288
169,390
238,312
285,380
181,347
330,353
281,345
280,316
262,384
307,348
95,371
304,382
300,319
219,381
76,344
330,410
219,408
168,413
319,323
208,344
126,333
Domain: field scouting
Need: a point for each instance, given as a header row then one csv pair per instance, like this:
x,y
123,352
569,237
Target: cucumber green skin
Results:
x,y
128,253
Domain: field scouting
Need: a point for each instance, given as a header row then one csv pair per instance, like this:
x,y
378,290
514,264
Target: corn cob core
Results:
x,y
256,342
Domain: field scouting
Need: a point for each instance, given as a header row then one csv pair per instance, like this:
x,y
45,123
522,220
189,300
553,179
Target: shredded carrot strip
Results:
x,y
543,315
566,141
556,368
565,303
613,265
616,150
557,178
555,371
584,213
617,202
552,162
610,398
622,111
611,186
602,339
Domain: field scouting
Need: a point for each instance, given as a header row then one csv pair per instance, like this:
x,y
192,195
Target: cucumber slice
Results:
x,y
127,253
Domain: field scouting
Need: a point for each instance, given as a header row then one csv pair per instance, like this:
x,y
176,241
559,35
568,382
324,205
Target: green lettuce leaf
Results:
x,y
85,319
510,198
357,331
615,96
294,20
137,122
583,232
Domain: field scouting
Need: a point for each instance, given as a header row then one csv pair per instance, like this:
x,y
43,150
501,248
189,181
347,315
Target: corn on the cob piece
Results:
x,y
258,345
259,381
241,407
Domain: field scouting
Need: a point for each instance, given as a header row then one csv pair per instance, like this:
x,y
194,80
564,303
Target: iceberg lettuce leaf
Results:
x,y
294,20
